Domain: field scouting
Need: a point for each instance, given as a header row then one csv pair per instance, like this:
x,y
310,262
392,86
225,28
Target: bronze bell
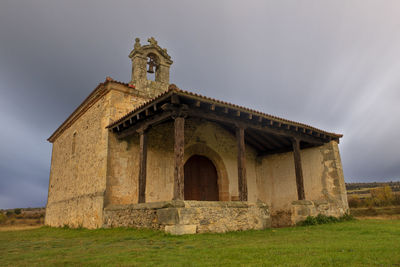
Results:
x,y
152,64
151,68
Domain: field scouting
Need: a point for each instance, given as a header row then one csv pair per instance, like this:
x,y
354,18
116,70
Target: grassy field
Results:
x,y
353,243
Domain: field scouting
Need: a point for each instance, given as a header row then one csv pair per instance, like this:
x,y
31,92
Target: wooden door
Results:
x,y
200,179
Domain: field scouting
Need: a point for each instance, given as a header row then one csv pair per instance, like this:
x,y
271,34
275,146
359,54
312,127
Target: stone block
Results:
x,y
180,229
302,202
168,216
303,211
189,215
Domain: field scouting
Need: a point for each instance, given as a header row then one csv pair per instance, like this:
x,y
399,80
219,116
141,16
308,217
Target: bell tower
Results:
x,y
150,58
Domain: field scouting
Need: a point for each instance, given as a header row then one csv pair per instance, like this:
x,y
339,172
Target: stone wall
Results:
x,y
189,217
122,156
77,176
79,160
301,209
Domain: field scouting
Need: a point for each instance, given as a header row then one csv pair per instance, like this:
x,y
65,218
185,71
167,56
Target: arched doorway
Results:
x,y
200,179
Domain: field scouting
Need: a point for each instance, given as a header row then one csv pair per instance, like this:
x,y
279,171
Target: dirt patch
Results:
x,y
379,217
281,218
376,211
5,228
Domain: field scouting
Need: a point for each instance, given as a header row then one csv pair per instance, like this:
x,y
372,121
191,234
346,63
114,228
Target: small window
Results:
x,y
73,143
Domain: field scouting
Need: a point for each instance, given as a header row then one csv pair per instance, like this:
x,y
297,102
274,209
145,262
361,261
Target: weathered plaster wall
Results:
x,y
323,181
124,167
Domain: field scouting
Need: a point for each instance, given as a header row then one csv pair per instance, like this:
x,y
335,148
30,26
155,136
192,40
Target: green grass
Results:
x,y
353,243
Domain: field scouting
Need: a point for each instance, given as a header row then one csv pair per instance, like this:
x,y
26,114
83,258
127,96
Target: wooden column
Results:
x,y
142,165
298,169
179,153
242,180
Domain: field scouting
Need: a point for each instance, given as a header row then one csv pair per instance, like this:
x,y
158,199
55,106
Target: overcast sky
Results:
x,y
332,64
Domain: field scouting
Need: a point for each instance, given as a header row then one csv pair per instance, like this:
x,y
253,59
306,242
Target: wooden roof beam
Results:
x,y
275,131
275,143
254,144
259,139
175,99
281,139
144,124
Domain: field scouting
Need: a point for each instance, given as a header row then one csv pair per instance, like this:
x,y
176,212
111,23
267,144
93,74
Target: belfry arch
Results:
x,y
153,67
150,68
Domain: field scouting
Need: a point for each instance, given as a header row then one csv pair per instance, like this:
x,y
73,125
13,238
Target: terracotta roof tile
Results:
x,y
174,88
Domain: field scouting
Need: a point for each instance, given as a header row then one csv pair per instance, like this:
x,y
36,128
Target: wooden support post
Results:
x,y
142,165
298,169
179,154
242,181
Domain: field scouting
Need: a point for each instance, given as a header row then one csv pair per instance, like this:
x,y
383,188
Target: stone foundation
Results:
x,y
190,217
303,208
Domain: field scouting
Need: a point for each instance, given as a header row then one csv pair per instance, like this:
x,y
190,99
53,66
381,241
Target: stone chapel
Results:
x,y
148,154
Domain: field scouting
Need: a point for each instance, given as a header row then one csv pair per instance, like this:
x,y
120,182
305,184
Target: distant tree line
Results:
x,y
379,197
395,186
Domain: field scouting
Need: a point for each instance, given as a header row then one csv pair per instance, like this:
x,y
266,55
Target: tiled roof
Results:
x,y
174,89
96,94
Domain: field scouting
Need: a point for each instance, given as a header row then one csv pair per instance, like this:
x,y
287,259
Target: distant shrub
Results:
x,y
17,211
396,199
3,218
354,201
323,219
9,213
382,196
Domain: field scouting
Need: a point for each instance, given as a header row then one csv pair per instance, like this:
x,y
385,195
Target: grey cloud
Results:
x,y
333,65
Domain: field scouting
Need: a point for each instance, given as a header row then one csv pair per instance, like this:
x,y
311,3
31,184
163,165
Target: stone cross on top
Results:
x,y
152,41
